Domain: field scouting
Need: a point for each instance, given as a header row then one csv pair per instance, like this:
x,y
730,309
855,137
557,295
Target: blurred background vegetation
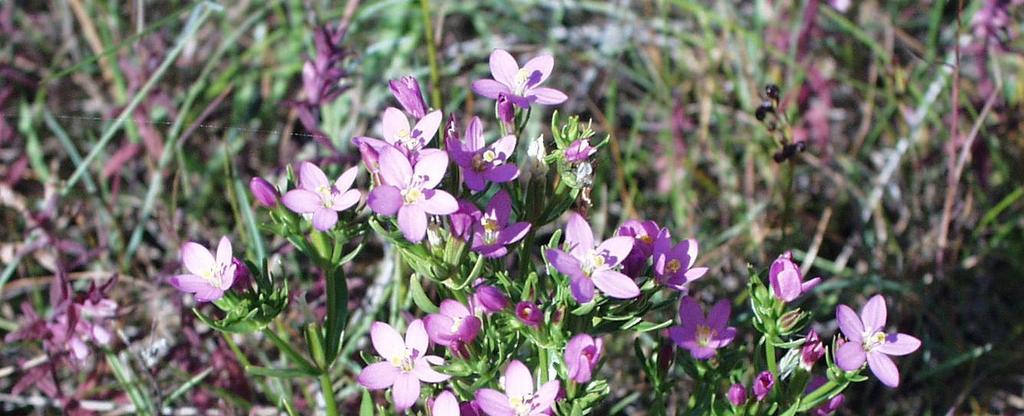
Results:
x,y
910,184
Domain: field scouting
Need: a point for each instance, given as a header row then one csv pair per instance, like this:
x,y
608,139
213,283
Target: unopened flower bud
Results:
x,y
407,91
737,395
763,385
812,351
265,193
489,299
529,314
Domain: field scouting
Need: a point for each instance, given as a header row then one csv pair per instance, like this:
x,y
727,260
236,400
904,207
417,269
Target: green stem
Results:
x,y
813,399
473,274
289,351
328,392
435,72
542,357
769,356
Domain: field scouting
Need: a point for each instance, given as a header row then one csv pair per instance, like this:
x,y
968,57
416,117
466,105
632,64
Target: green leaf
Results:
x,y
419,297
366,405
337,313
651,326
278,372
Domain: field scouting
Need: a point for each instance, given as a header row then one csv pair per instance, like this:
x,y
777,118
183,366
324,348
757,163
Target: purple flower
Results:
x,y
405,364
869,342
519,398
529,314
318,196
506,111
673,265
410,140
737,395
409,190
488,299
763,384
589,264
643,233
581,356
265,193
453,324
579,151
812,351
480,163
786,279
492,233
702,337
407,91
520,85
208,277
446,404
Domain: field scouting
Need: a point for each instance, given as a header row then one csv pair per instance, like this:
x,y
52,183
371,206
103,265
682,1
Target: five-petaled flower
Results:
x,y
492,232
589,264
869,342
316,195
519,398
520,85
408,190
481,163
673,265
208,277
787,281
702,337
582,354
405,363
410,140
454,323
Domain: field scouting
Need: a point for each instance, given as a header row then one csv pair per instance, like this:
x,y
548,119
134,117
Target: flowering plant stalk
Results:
x,y
517,296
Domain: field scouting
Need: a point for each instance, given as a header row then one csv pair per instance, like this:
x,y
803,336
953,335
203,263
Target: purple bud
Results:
x,y
489,299
407,91
830,406
462,220
763,385
737,394
265,193
506,112
529,314
581,356
242,277
812,351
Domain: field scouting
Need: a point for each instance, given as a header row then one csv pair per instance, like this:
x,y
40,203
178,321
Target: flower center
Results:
x,y
456,323
646,239
704,335
216,274
521,80
408,140
326,195
871,341
412,195
489,222
673,266
521,404
594,261
403,361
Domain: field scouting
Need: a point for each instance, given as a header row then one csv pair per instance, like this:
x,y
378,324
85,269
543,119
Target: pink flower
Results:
x,y
529,314
673,265
410,140
737,395
208,277
453,324
519,398
408,190
316,195
787,281
446,404
869,342
520,85
812,351
481,163
488,299
702,336
763,384
492,232
589,264
405,364
582,354
265,193
579,151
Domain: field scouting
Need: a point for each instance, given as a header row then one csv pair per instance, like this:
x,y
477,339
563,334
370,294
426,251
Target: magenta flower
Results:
x,y
589,264
480,163
488,299
579,151
506,111
316,195
644,234
410,140
529,314
446,404
463,219
407,91
208,277
519,398
673,265
869,342
737,395
265,193
492,232
763,384
405,364
409,190
702,337
453,324
812,350
520,85
581,356
786,279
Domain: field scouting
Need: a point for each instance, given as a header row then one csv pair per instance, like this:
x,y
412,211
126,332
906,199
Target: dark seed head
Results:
x,y
800,146
772,91
763,110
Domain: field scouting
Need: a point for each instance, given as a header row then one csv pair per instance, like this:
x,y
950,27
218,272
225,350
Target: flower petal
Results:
x,y
615,284
542,66
413,222
873,314
395,169
426,374
503,67
311,178
385,200
579,235
690,313
474,139
346,200
302,201
493,402
427,126
564,263
545,397
582,289
615,250
386,340
190,283
718,318
850,356
548,96
416,337
500,205
518,380
445,404
439,328
405,391
439,203
883,368
224,252
431,167
393,124
196,258
504,146
324,219
502,173
899,344
378,376
347,178
514,233
489,88
850,323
